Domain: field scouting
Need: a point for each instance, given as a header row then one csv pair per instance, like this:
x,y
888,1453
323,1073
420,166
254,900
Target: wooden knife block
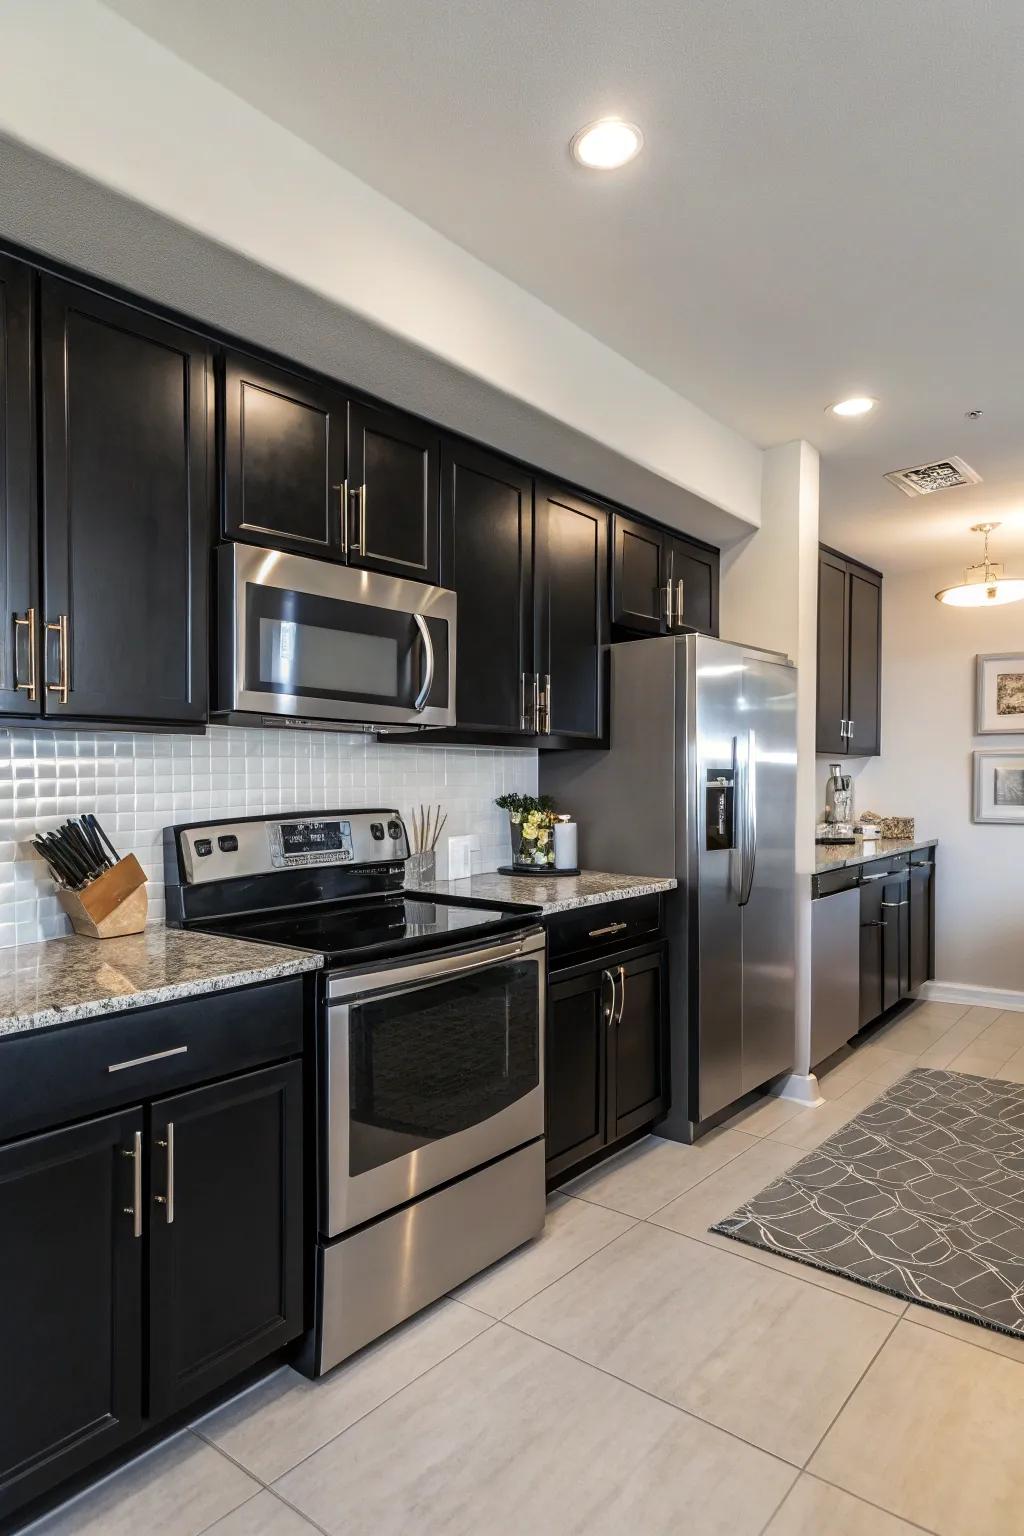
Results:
x,y
113,904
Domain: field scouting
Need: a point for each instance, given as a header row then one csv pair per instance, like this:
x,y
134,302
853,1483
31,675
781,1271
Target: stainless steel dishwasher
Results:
x,y
835,961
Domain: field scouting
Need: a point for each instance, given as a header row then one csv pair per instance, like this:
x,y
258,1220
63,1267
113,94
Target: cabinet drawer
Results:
x,y
833,881
98,1064
879,869
592,931
922,856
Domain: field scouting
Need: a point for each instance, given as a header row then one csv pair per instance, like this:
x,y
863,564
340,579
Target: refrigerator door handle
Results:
x,y
749,820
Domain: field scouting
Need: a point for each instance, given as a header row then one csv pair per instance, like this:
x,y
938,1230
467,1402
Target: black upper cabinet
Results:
x,y
225,1271
70,1302
638,579
487,523
662,583
19,581
393,484
571,564
125,511
849,657
284,458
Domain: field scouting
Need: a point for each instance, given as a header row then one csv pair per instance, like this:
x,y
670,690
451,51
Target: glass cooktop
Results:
x,y
381,925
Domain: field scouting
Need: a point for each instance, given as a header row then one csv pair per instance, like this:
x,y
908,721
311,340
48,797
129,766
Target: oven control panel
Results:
x,y
264,844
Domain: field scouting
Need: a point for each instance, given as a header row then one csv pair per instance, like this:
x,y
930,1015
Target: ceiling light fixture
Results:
x,y
984,585
606,144
857,405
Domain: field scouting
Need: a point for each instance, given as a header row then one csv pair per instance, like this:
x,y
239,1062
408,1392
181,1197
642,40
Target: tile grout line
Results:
x,y
918,1322
842,1406
914,1526
634,1221
779,1505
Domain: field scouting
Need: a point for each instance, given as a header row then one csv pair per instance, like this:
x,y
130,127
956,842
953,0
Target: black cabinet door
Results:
x,y
20,692
70,1302
863,709
571,606
895,940
921,925
284,458
638,1046
692,583
833,654
872,950
487,523
638,576
225,1272
575,1083
126,501
393,482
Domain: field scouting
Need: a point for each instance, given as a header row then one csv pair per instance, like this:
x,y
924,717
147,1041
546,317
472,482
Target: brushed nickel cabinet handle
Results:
x,y
135,1209
62,687
141,1061
522,701
359,544
29,621
668,604
546,727
167,1200
622,996
536,726
599,933
609,1011
680,592
342,491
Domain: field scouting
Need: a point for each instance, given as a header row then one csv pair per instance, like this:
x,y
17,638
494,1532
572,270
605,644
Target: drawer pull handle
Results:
x,y
141,1061
135,1209
167,1200
599,933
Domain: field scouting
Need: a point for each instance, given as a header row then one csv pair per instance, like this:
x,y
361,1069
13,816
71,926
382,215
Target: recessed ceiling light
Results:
x,y
857,405
606,144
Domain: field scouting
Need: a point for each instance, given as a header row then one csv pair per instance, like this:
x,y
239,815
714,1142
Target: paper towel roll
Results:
x,y
565,845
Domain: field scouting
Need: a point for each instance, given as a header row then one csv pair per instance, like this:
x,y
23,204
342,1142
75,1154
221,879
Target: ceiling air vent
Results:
x,y
924,479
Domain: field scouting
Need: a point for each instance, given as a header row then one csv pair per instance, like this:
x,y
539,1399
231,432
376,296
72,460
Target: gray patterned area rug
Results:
x,y
921,1195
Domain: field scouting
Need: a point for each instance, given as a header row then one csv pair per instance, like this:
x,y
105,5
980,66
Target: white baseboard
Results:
x,y
975,997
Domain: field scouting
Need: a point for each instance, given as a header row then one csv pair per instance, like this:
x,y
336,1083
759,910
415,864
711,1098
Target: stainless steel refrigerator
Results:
x,y
700,783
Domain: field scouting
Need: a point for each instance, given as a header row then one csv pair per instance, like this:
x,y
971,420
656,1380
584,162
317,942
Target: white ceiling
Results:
x,y
828,202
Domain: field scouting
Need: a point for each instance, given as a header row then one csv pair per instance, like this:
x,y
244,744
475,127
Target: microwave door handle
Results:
x,y
428,670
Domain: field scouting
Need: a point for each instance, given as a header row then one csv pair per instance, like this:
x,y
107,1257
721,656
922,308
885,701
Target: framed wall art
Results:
x,y
999,786
1000,689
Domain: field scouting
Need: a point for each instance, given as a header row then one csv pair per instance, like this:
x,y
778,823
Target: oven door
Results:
x,y
308,639
431,1069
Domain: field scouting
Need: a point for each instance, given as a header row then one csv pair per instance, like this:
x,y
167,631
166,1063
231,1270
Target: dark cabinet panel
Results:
x,y
571,561
872,955
393,481
575,1078
863,709
922,925
225,1231
895,940
20,692
833,654
638,576
692,582
638,1085
125,511
284,458
487,521
70,1302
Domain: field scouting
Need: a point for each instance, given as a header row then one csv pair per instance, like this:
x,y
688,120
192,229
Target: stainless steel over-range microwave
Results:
x,y
306,643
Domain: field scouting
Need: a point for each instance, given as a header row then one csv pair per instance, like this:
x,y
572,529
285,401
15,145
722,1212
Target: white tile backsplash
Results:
x,y
137,784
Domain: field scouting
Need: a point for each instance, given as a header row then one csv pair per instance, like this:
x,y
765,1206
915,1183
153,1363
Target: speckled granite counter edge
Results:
x,y
544,906
100,1007
867,852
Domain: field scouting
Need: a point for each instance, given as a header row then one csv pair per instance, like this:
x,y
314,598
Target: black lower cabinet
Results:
x,y
225,1272
70,1301
922,924
607,1054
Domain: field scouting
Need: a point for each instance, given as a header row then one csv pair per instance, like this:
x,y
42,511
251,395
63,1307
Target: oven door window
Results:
x,y
309,646
437,1060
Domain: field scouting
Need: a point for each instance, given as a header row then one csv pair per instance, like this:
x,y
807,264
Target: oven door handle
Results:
x,y
429,973
428,670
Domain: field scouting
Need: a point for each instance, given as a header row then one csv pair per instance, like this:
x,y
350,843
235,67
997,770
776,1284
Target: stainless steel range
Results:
x,y
428,1056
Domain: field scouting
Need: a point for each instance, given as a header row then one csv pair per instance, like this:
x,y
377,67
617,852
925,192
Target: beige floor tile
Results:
x,y
574,1230
910,1036
973,1023
991,1046
719,1195
178,1489
813,1126
976,1066
757,1352
862,1094
1012,1071
814,1508
286,1417
933,1433
841,1079
981,1017
1008,1030
970,1333
925,1012
265,1515
653,1171
939,1056
884,1066
509,1436
766,1115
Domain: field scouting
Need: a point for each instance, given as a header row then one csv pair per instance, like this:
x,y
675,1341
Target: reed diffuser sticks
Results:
x,y
426,827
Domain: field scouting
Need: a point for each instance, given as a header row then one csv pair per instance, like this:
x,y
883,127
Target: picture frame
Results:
x,y
999,691
999,786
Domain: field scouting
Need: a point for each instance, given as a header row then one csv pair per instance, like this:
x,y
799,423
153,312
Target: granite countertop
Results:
x,y
844,855
547,893
75,978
